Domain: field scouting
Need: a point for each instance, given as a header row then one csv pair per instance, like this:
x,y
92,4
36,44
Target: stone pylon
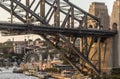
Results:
x,y
100,10
115,46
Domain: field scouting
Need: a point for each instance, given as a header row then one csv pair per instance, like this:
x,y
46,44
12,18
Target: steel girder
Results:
x,y
15,14
70,22
54,30
75,17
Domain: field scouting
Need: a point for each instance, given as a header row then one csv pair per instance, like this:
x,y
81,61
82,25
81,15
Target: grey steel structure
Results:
x,y
65,22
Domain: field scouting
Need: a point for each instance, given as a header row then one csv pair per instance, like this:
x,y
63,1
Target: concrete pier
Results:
x,y
115,46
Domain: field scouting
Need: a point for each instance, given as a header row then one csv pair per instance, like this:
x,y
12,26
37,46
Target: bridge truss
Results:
x,y
65,23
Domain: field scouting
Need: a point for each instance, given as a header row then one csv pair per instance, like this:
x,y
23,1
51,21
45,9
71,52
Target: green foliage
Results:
x,y
18,56
54,70
114,77
115,71
5,47
106,76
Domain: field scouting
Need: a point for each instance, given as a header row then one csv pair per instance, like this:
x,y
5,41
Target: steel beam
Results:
x,y
27,13
63,11
66,19
57,14
72,17
71,4
64,31
36,7
90,46
32,4
53,30
39,18
50,10
42,9
61,53
15,6
11,12
48,20
15,14
99,55
79,54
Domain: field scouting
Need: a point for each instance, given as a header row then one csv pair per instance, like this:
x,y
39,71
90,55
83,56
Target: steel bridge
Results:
x,y
66,23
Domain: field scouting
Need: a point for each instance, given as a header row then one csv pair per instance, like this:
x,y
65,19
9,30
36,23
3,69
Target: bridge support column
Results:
x,y
57,14
99,55
116,51
11,12
27,13
115,24
42,8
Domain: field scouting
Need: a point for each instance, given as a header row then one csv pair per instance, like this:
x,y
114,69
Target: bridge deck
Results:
x,y
38,29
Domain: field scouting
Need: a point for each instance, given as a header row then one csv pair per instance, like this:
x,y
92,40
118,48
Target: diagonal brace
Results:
x,y
79,53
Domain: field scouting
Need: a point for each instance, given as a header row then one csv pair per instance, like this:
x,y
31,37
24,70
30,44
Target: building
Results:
x,y
4,38
38,55
115,24
100,10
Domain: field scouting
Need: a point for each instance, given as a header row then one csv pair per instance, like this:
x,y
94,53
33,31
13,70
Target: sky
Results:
x,y
84,4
